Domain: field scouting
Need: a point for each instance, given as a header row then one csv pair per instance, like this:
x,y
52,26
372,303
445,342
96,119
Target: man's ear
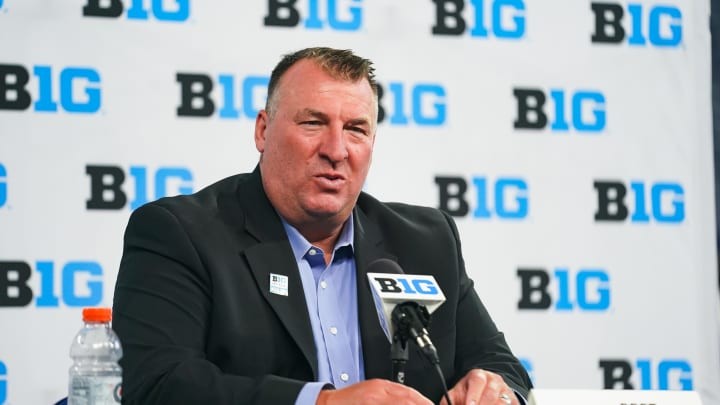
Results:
x,y
261,123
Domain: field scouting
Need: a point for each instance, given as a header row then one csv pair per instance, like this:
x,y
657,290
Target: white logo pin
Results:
x,y
278,284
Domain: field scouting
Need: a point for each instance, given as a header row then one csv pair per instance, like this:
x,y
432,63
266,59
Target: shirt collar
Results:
x,y
300,245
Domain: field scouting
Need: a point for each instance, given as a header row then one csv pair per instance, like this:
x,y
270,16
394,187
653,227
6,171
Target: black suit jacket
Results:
x,y
198,324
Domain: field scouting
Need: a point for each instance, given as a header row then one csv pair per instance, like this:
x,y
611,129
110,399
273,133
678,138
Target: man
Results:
x,y
254,290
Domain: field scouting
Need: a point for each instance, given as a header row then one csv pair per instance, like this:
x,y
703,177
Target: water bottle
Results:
x,y
95,375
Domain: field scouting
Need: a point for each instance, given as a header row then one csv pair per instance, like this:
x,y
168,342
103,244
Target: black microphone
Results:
x,y
411,320
407,300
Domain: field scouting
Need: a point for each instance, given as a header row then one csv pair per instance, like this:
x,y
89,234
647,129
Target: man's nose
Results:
x,y
334,145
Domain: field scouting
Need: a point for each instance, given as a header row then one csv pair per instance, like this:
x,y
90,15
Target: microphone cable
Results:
x,y
446,394
412,319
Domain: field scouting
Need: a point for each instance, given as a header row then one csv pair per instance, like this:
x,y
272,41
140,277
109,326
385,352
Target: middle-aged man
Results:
x,y
254,290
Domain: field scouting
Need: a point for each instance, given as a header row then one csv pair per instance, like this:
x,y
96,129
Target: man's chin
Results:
x,y
319,214
328,211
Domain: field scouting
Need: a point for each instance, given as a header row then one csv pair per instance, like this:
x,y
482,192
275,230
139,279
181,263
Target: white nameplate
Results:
x,y
612,397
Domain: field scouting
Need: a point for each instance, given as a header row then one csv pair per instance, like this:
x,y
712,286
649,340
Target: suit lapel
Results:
x,y
273,255
375,344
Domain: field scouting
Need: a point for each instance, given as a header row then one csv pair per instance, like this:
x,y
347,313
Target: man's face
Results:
x,y
316,149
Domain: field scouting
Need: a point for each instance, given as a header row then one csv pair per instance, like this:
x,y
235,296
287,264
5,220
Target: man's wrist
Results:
x,y
310,391
322,398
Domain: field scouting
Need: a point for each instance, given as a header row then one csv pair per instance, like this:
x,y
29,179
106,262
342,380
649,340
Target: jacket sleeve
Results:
x,y
161,306
479,344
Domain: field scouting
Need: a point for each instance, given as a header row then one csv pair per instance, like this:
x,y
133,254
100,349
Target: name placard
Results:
x,y
540,396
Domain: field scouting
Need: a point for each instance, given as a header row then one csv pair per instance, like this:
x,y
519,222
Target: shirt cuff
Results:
x,y
309,393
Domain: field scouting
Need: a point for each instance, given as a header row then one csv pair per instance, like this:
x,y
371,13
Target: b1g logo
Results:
x,y
665,374
14,93
106,185
591,287
162,10
503,19
286,13
659,25
244,97
428,105
196,92
587,110
667,202
81,284
406,285
3,186
509,196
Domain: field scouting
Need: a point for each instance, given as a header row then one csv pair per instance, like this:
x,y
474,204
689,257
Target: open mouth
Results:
x,y
330,180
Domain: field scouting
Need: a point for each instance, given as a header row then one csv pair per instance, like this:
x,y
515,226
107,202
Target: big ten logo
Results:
x,y
317,14
407,285
77,89
428,105
503,19
529,367
586,110
81,284
423,104
665,374
591,289
659,25
106,183
162,10
667,202
3,186
248,93
3,369
504,197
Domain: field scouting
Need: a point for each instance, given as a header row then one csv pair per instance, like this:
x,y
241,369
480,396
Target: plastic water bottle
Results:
x,y
95,376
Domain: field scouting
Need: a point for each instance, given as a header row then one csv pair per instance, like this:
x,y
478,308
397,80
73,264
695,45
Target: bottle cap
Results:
x,y
97,314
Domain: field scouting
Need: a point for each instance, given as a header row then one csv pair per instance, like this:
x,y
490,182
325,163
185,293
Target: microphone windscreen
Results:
x,y
384,266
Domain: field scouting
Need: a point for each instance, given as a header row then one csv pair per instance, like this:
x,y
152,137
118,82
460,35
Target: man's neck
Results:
x,y
323,237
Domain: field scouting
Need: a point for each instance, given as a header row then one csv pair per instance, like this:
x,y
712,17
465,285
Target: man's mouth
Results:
x,y
330,180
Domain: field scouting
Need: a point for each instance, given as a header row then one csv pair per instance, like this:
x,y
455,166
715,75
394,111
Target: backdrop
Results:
x,y
571,141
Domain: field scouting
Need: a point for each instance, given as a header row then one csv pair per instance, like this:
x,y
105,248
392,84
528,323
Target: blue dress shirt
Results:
x,y
331,298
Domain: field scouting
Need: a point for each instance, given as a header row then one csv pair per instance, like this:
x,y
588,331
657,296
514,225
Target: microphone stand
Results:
x,y
410,320
399,355
407,317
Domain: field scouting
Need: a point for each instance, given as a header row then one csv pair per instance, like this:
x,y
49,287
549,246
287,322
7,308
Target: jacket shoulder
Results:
x,y
404,217
206,199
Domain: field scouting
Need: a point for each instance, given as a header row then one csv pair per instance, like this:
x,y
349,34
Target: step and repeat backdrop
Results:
x,y
570,140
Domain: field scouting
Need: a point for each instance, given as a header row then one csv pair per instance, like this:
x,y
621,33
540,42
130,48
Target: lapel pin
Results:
x,y
278,284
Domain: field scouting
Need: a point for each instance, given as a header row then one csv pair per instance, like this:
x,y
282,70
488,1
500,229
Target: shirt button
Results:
x,y
333,330
312,252
344,377
323,284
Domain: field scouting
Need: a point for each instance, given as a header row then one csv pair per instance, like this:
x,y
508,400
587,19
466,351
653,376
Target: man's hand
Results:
x,y
480,387
375,392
